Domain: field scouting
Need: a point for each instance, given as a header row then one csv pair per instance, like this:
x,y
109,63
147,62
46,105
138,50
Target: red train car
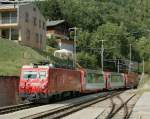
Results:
x,y
41,82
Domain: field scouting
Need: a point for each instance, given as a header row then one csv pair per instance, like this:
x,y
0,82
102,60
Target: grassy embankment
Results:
x,y
13,56
144,85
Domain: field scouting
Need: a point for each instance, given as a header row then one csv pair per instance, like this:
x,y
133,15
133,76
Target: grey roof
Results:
x,y
18,1
6,6
54,23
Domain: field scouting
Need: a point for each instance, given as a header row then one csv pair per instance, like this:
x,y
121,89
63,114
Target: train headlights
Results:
x,y
22,86
44,86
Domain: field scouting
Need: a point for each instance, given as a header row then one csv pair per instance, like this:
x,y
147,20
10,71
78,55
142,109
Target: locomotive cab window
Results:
x,y
42,74
30,75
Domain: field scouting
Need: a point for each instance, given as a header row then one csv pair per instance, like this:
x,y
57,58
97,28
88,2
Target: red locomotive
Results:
x,y
41,82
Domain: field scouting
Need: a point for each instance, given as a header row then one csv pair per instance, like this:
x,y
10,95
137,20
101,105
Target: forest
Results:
x,y
124,25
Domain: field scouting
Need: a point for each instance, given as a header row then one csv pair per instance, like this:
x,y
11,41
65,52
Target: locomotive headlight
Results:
x,y
44,86
22,86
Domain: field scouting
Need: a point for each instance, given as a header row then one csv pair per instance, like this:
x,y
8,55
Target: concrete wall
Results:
x,y
66,46
38,28
0,33
0,23
0,18
9,90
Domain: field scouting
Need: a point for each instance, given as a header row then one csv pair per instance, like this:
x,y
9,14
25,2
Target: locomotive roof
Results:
x,y
38,66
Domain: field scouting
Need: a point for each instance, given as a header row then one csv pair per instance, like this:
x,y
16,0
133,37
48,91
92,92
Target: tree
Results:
x,y
50,9
87,60
119,22
143,46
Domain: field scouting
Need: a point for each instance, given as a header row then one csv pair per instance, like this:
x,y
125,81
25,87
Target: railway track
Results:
x,y
124,111
13,108
70,108
114,113
121,110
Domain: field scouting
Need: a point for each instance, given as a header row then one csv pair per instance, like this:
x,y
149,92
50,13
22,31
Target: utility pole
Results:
x,y
102,55
143,68
118,66
142,76
74,46
130,58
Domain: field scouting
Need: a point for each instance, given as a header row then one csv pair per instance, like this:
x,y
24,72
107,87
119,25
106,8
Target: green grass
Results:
x,y
13,56
144,85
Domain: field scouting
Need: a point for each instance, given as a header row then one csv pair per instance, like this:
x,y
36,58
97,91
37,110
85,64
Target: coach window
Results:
x,y
115,78
89,78
100,78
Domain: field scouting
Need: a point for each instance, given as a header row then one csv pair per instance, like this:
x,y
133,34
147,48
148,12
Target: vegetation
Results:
x,y
87,60
144,85
13,56
119,22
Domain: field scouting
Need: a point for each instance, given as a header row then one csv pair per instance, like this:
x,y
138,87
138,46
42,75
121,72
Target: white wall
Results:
x,y
0,33
0,23
0,18
66,46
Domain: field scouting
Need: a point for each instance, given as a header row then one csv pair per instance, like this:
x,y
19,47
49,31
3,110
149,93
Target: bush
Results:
x,y
147,67
52,42
87,60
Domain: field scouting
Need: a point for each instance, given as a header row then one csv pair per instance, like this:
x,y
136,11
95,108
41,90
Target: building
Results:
x,y
65,44
19,1
59,29
23,23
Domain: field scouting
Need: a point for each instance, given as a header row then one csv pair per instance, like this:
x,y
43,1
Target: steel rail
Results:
x,y
70,108
13,108
116,110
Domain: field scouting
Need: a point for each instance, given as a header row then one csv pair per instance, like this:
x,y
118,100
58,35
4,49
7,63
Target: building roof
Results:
x,y
18,1
12,5
8,6
54,23
71,42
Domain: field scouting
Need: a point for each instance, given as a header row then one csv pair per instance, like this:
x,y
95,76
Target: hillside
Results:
x,y
13,56
121,23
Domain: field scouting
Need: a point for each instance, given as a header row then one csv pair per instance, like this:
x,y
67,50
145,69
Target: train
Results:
x,y
41,83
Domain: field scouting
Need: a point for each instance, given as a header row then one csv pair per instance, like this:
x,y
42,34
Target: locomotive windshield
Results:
x,y
42,74
30,75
